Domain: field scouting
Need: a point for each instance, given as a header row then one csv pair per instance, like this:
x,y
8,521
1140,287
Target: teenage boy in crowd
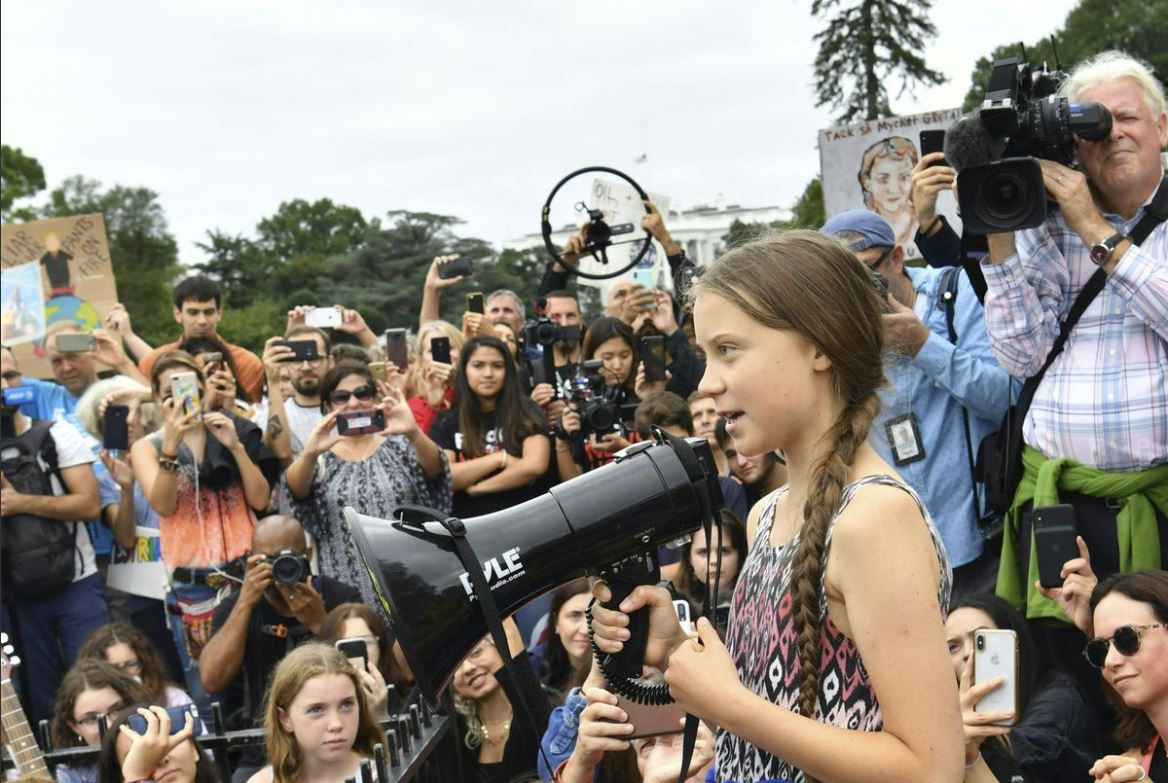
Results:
x,y
759,476
198,307
288,423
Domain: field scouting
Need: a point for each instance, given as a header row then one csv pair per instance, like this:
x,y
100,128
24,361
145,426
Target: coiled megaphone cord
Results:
x,y
633,690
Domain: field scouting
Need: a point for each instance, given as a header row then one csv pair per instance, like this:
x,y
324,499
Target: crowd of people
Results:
x,y
849,578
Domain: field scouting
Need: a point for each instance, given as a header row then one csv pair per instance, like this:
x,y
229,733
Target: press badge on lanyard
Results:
x,y
904,438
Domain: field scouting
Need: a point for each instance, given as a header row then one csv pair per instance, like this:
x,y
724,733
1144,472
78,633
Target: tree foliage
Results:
x,y
21,176
1138,27
865,45
143,252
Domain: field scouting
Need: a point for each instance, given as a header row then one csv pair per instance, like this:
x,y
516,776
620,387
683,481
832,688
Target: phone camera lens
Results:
x,y
981,642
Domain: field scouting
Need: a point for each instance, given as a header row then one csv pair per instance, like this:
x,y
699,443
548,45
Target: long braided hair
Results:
x,y
812,284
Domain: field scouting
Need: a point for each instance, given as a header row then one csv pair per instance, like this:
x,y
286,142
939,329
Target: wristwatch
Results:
x,y
1101,251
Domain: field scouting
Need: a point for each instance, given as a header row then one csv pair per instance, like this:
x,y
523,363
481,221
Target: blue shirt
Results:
x,y
52,402
934,385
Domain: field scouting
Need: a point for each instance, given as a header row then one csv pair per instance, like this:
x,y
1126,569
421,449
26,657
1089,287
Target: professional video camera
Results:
x,y
1022,117
588,396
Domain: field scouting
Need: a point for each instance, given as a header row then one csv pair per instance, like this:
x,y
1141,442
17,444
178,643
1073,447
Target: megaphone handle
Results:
x,y
629,660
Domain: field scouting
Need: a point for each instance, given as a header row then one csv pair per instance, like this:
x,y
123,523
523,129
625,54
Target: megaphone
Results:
x,y
608,522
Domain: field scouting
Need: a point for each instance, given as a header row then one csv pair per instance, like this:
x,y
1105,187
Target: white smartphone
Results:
x,y
995,654
683,616
323,317
184,386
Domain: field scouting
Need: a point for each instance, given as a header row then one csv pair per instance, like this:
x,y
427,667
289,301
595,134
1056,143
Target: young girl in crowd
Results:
x,y
430,384
495,437
565,658
610,341
205,473
91,689
155,754
375,472
698,560
352,621
318,721
1053,738
499,740
835,665
1129,614
128,649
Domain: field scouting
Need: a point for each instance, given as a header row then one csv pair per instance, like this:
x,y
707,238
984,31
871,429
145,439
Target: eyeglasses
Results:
x,y
90,721
1126,640
880,261
362,393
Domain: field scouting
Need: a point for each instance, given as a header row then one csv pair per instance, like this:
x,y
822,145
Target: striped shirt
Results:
x,y
1104,400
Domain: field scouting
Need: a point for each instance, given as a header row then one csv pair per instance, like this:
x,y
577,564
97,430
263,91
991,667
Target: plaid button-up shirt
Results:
x,y
1104,400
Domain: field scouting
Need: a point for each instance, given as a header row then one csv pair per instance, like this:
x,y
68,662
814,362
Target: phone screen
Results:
x,y
440,349
653,357
396,350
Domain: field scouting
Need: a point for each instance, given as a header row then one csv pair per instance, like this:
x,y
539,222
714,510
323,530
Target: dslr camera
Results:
x,y
544,331
289,568
1025,118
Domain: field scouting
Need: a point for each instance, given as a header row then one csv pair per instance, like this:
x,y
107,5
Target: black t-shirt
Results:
x,y
271,636
445,432
57,268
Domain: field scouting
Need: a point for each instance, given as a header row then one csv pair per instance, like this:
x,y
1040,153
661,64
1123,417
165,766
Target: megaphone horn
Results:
x,y
652,494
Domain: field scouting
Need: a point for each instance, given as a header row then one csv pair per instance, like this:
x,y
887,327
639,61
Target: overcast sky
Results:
x,y
473,109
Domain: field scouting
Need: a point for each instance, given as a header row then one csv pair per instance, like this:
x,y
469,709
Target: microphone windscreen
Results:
x,y
968,143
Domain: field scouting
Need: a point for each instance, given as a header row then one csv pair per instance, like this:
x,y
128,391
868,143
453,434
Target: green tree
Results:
x,y
865,45
1138,27
21,176
283,262
383,277
142,249
808,211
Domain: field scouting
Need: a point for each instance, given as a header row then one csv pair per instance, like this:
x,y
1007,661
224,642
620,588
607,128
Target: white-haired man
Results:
x,y
1096,433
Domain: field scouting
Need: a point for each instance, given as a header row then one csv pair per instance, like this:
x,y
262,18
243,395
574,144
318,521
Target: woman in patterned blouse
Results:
x,y
373,472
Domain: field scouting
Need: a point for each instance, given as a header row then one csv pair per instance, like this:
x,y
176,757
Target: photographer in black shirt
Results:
x,y
280,605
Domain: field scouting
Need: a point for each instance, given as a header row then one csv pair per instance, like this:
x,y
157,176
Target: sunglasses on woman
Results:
x,y
362,393
1126,640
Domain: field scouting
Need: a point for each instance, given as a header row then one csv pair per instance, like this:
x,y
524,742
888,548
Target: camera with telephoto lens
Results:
x,y
289,568
544,331
1025,118
588,396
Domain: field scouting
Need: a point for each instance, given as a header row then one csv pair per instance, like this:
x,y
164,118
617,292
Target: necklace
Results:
x,y
505,732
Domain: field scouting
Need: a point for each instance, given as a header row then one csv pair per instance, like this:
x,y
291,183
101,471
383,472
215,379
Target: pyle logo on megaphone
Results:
x,y
498,570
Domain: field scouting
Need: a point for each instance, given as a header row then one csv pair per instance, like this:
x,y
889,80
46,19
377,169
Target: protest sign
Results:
x,y
70,257
139,570
869,165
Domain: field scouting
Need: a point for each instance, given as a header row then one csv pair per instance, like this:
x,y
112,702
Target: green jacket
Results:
x,y
1139,494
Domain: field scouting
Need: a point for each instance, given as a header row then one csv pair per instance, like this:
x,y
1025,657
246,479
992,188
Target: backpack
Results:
x,y
36,553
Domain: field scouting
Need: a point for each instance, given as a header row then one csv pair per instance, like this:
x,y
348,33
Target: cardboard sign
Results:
x,y
139,570
623,212
71,256
868,165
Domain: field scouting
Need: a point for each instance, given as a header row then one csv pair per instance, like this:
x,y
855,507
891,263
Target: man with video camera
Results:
x,y
280,605
1096,432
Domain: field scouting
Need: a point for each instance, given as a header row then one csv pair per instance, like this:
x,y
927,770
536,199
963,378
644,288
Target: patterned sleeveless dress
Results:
x,y
761,638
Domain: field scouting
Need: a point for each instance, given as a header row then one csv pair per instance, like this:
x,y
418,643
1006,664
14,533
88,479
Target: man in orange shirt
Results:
x,y
198,306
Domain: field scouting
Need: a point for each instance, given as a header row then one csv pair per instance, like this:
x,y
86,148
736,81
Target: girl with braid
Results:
x,y
835,666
